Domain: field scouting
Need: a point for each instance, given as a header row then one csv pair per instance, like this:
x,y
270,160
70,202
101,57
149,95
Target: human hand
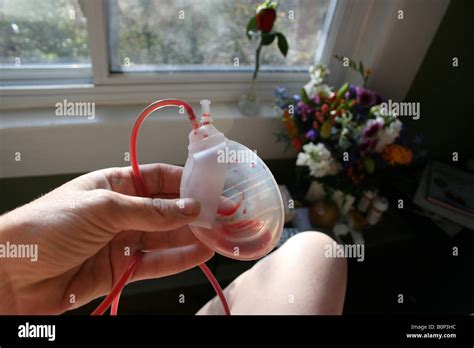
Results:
x,y
87,232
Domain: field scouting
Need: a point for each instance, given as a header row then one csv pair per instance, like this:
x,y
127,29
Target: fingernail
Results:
x,y
188,206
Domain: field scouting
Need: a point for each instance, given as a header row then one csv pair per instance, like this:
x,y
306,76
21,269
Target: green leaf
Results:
x,y
305,99
344,88
304,96
251,26
369,164
282,44
267,38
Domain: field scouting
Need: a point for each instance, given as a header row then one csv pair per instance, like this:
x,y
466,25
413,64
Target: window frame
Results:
x,y
46,75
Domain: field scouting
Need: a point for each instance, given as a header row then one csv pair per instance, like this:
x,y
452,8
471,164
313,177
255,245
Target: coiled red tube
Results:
x,y
133,140
114,296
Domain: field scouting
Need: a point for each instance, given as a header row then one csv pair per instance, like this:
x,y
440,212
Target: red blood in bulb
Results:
x,y
228,207
245,227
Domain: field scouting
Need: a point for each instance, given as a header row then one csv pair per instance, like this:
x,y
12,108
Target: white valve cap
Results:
x,y
205,106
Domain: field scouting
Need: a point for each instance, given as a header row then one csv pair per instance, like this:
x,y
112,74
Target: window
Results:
x,y
208,35
43,40
127,51
39,33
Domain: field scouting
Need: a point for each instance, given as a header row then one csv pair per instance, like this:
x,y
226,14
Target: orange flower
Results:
x,y
397,154
292,130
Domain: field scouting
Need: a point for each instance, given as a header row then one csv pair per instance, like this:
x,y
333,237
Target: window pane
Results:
x,y
208,34
42,32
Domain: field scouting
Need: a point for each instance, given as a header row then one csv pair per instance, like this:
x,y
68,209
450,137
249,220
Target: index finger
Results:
x,y
159,179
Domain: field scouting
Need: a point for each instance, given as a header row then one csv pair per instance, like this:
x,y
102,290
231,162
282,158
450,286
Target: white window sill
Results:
x,y
48,144
224,88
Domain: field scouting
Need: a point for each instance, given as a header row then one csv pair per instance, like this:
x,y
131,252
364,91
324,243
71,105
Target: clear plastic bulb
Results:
x,y
249,217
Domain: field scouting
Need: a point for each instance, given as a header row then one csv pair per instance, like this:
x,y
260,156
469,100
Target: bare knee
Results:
x,y
308,252
314,245
295,279
311,239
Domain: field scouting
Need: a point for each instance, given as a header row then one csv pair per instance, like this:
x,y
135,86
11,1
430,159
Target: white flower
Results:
x,y
318,73
318,159
303,159
315,86
372,123
387,135
312,89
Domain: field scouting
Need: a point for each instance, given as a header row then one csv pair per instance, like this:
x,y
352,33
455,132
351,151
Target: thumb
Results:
x,y
122,212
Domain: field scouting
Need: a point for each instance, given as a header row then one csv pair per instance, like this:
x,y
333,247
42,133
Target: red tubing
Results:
x,y
115,303
133,140
115,293
216,286
114,296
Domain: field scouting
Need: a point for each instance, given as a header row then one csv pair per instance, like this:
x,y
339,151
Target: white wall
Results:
x,y
49,144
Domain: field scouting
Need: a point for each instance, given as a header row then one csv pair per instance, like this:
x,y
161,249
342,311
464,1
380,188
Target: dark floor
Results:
x,y
431,279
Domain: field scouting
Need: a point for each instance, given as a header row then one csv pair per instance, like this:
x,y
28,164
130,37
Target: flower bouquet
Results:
x,y
343,137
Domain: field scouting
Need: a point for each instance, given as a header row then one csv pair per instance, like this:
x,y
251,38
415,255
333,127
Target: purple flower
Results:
x,y
352,91
366,97
304,110
281,93
371,128
311,134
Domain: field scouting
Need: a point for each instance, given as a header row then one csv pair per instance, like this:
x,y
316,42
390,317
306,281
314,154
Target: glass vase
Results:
x,y
248,103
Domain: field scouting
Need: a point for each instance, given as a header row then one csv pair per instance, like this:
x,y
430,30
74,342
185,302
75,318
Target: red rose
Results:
x,y
265,19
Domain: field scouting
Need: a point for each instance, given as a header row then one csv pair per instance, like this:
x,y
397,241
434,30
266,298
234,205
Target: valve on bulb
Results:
x,y
203,177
